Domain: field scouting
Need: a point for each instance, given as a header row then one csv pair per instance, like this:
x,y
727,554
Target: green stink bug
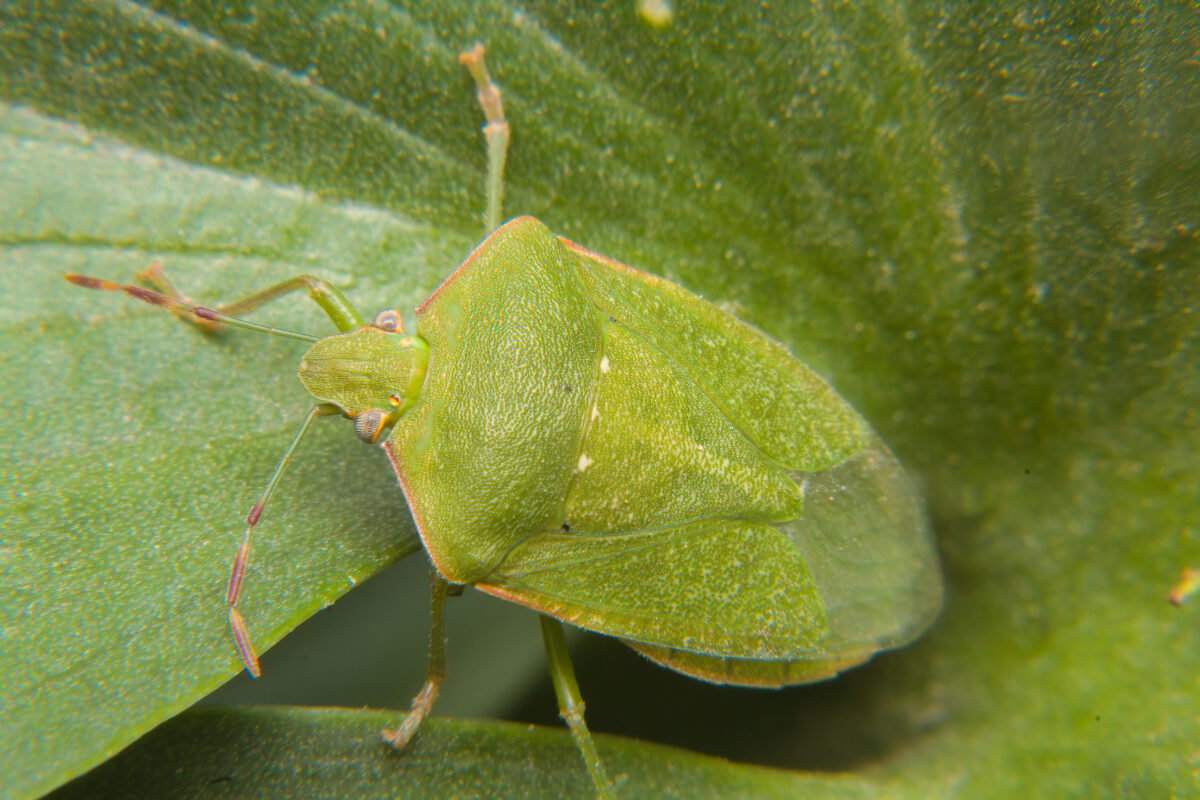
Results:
x,y
606,448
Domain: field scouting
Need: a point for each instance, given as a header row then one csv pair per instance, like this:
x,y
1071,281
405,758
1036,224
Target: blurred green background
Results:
x,y
979,223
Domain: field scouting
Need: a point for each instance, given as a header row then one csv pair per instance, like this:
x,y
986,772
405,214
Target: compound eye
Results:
x,y
388,320
368,424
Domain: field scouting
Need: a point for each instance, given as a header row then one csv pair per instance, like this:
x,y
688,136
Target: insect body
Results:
x,y
606,448
634,461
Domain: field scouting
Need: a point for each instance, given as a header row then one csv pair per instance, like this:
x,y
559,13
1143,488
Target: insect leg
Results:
x,y
570,703
326,295
423,702
237,573
495,131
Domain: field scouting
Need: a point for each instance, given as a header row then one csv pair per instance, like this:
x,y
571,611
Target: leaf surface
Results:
x,y
978,224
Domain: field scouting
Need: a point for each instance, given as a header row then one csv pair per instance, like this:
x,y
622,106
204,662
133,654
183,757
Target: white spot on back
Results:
x,y
584,462
595,411
604,364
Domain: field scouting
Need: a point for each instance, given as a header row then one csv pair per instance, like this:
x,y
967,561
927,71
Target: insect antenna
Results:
x,y
237,573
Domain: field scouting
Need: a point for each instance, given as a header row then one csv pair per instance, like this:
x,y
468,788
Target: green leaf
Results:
x,y
980,225
290,752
